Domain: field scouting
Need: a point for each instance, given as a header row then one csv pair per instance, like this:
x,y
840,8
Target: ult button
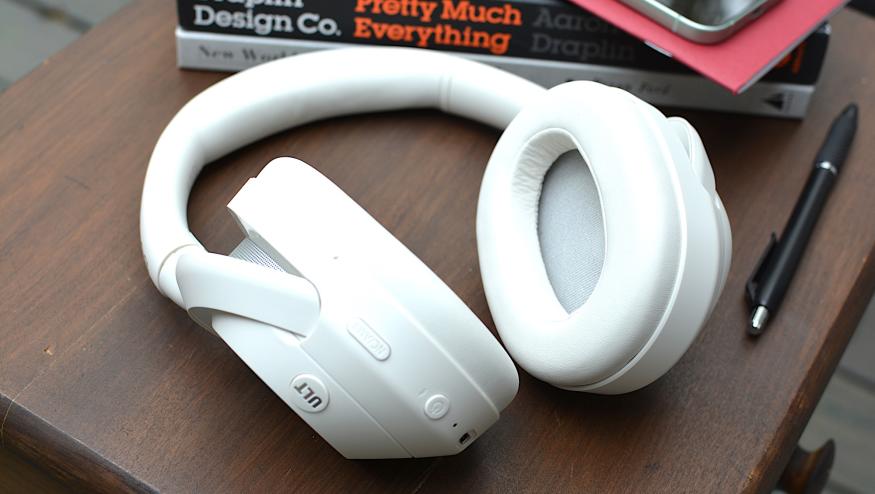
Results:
x,y
308,393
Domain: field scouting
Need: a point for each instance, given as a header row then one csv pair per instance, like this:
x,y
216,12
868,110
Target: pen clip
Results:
x,y
753,282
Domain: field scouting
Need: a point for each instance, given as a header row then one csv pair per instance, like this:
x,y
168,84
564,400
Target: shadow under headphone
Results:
x,y
602,241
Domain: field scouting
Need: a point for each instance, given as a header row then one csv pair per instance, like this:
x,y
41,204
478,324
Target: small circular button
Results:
x,y
309,394
436,406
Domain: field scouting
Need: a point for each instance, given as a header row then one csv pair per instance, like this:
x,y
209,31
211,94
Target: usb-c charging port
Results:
x,y
467,437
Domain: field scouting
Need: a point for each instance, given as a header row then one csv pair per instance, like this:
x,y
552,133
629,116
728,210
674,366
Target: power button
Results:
x,y
436,406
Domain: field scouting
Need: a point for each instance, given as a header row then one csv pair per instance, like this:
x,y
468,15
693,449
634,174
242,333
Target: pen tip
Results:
x,y
758,320
754,330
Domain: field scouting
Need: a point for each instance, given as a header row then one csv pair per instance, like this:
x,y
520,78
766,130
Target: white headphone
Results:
x,y
603,247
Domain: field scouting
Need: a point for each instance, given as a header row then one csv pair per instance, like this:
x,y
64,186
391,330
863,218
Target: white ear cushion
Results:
x,y
635,172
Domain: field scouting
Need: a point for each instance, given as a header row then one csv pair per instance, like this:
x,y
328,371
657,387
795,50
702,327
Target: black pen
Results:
x,y
770,279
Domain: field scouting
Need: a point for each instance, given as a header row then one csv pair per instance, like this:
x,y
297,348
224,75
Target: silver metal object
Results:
x,y
826,165
680,16
758,320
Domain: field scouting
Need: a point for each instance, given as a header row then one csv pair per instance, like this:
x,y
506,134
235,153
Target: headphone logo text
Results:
x,y
312,395
309,394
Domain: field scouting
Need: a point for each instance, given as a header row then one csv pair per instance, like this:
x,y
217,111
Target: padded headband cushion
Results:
x,y
633,167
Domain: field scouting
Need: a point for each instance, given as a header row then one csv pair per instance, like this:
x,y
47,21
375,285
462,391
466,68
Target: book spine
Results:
x,y
198,50
540,29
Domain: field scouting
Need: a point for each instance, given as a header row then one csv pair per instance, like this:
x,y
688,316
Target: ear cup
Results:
x,y
662,253
305,223
702,168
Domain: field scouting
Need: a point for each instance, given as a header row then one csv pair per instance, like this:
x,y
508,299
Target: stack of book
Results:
x,y
546,41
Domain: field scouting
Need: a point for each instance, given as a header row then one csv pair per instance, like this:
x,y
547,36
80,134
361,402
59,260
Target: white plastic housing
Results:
x,y
385,336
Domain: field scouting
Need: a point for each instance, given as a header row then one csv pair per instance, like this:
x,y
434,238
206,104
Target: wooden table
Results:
x,y
108,385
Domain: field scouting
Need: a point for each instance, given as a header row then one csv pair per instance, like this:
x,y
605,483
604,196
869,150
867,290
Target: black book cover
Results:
x,y
540,29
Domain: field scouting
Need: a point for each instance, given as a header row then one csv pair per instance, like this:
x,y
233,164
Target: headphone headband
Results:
x,y
305,88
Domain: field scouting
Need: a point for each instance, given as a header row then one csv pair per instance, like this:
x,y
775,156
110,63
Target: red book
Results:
x,y
740,60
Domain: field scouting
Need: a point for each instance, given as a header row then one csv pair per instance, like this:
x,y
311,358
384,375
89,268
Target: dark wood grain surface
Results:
x,y
18,475
110,386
